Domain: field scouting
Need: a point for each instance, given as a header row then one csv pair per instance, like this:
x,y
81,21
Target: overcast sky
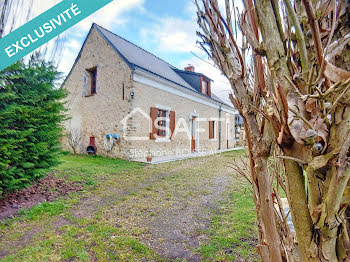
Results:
x,y
166,28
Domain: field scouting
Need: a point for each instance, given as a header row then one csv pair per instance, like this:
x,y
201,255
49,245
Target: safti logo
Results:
x,y
126,122
160,127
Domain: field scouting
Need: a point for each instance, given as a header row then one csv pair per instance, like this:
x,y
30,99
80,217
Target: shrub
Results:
x,y
31,115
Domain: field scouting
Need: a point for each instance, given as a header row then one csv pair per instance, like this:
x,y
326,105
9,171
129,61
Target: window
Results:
x,y
211,129
162,123
205,87
93,80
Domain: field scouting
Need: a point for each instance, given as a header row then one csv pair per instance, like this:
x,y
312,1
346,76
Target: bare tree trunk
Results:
x,y
329,224
277,59
259,150
303,107
300,213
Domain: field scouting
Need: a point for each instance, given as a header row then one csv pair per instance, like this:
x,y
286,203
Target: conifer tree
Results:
x,y
31,115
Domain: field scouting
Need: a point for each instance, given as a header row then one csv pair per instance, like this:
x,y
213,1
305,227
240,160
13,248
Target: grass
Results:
x,y
84,241
84,238
89,171
232,234
92,170
49,208
111,218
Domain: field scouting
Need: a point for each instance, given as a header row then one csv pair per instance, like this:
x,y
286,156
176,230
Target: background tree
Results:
x,y
15,13
30,107
31,117
300,102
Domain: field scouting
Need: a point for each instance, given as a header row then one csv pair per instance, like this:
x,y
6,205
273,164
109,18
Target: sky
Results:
x,y
166,28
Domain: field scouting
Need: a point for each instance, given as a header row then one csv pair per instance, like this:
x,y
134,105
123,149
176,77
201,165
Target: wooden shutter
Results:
x,y
97,86
211,129
154,116
209,88
211,135
172,123
86,84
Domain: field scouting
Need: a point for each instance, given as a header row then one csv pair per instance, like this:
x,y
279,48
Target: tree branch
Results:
x,y
232,39
293,159
300,38
315,29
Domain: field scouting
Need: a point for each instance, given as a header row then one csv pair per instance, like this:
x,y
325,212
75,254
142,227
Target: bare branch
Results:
x,y
293,159
300,38
339,97
315,30
298,115
232,39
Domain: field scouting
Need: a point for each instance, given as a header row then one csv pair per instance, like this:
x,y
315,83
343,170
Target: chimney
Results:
x,y
189,68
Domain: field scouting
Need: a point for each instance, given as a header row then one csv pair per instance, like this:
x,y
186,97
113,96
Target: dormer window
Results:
x,y
205,86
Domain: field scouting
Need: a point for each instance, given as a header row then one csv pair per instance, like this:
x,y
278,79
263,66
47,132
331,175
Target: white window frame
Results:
x,y
215,129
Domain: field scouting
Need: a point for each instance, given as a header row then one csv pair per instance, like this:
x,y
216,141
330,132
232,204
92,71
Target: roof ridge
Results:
x,y
172,67
192,73
134,64
188,72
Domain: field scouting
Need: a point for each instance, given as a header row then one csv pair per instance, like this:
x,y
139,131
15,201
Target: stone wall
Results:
x,y
106,112
99,114
180,143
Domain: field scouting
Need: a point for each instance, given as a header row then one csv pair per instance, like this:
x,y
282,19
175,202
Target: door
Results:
x,y
193,134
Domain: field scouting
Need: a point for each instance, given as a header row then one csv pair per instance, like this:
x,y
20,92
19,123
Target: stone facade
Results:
x,y
122,105
185,109
99,114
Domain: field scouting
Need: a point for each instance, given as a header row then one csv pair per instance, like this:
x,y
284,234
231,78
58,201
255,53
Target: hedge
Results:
x,y
31,116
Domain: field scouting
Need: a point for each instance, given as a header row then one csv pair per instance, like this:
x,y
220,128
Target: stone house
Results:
x,y
125,102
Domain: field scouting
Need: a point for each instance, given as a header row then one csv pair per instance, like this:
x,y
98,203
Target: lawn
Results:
x,y
196,209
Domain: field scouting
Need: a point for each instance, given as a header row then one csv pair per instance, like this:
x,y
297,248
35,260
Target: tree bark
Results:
x,y
259,150
300,212
305,111
277,60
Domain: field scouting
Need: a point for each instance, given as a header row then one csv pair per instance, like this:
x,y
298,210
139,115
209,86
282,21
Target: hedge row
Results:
x,y
31,113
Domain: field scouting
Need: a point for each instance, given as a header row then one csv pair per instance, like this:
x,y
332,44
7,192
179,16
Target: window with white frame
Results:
x,y
212,129
163,121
